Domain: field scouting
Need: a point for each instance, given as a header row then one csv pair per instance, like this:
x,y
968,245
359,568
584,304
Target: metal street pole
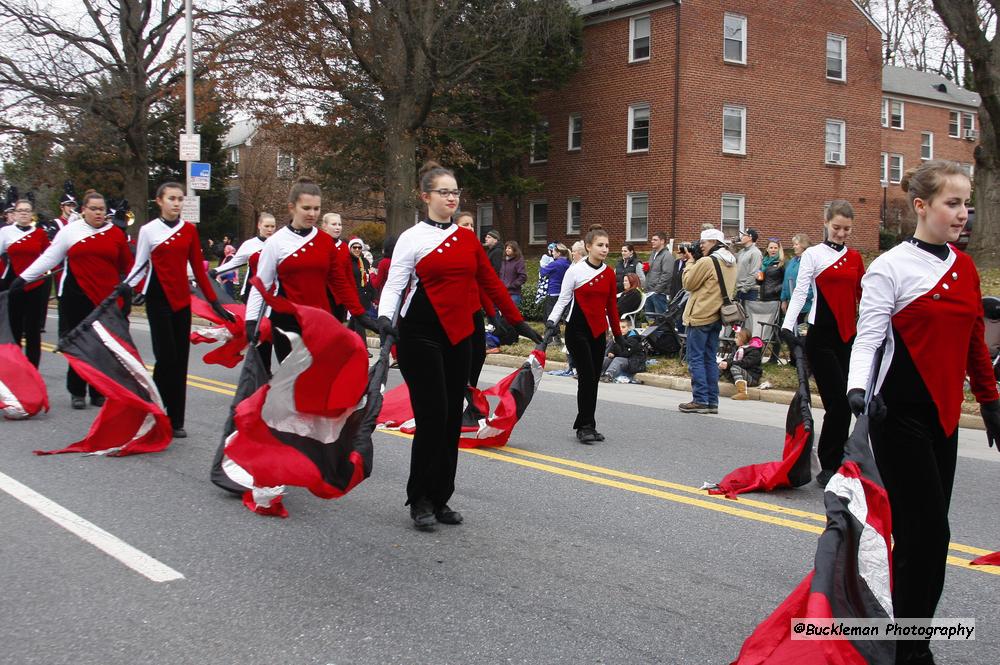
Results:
x,y
188,87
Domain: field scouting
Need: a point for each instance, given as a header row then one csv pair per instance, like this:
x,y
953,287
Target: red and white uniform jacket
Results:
x,y
169,250
300,266
250,249
345,254
96,258
835,277
444,265
929,313
22,247
591,292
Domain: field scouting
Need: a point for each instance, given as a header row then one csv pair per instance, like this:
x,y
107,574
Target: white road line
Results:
x,y
111,545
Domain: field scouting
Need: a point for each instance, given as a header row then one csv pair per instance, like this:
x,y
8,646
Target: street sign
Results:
x,y
200,175
190,150
191,211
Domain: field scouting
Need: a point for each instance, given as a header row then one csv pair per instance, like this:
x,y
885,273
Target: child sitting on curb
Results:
x,y
623,362
743,364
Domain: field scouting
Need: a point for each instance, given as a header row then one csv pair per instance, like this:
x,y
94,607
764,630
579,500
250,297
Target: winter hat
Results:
x,y
713,234
493,233
356,241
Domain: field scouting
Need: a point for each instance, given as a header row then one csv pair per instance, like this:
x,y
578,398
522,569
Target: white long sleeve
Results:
x,y
804,282
267,271
143,252
565,293
53,255
242,256
879,296
402,269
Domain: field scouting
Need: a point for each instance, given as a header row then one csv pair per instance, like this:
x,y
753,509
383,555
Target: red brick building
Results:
x,y
924,116
739,113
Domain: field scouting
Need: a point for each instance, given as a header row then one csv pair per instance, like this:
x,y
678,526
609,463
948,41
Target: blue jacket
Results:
x,y
788,285
554,271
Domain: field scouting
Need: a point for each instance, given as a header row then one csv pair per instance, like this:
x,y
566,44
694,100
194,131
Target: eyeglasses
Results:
x,y
98,209
22,209
445,193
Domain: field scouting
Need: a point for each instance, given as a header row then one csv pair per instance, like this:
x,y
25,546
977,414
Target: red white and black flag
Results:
x,y
232,334
851,576
794,469
132,419
311,424
22,389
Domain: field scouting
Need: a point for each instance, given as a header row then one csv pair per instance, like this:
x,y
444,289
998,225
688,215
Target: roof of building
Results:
x,y
240,133
912,83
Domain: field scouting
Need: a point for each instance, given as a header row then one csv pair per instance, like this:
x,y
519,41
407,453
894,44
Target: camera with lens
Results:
x,y
694,249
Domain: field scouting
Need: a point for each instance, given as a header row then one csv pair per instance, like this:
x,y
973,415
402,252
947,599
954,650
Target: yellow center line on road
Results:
x,y
716,503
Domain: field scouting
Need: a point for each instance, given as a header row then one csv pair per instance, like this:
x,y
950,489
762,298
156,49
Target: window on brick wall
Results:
x,y
884,178
575,132
484,219
540,143
732,214
836,57
968,126
639,33
893,112
573,210
954,124
734,125
638,128
734,38
286,165
638,217
885,111
927,145
539,222
234,155
836,141
895,168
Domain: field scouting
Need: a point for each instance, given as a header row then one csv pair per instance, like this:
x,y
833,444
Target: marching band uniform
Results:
x,y
299,261
164,251
94,260
247,255
431,266
923,301
589,292
22,245
834,273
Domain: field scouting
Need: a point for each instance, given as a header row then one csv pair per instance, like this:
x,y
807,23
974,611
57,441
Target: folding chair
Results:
x,y
634,305
762,319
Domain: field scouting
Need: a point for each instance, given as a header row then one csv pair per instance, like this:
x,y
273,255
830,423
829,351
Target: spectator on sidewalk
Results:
x,y
702,316
748,264
800,243
659,276
623,361
683,254
512,271
742,366
628,264
553,273
493,250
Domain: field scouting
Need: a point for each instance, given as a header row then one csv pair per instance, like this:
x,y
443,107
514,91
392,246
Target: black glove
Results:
x,y
251,329
876,408
139,299
123,290
991,418
856,400
213,273
503,331
384,327
16,286
791,339
524,330
224,313
366,322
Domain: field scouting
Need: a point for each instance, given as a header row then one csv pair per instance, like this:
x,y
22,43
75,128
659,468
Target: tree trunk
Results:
x,y
136,186
984,244
400,179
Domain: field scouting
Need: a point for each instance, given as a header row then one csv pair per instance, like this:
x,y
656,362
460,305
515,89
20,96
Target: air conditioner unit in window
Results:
x,y
971,135
833,158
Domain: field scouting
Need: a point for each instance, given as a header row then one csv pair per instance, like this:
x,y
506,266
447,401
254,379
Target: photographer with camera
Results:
x,y
659,276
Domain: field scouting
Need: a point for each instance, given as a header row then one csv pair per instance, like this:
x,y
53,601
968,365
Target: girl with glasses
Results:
x,y
23,243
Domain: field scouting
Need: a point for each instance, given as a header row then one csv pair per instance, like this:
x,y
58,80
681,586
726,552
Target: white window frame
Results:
x,y
930,145
968,126
742,149
884,177
902,114
893,157
957,115
573,118
234,155
542,125
632,38
742,200
569,216
743,42
628,217
970,170
531,222
631,126
290,171
843,56
842,149
480,209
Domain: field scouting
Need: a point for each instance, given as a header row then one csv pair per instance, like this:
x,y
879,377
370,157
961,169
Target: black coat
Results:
x,y
675,278
495,255
750,362
770,288
622,269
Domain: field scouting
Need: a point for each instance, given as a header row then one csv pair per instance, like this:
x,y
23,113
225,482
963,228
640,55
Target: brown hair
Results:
x,y
744,334
594,232
430,172
840,207
28,201
89,196
562,250
303,187
464,213
513,245
926,181
802,239
631,281
170,184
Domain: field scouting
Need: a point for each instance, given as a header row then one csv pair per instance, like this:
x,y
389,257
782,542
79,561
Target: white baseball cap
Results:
x,y
713,234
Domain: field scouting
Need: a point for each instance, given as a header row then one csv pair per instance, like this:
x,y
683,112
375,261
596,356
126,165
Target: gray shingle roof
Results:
x,y
910,82
585,7
239,133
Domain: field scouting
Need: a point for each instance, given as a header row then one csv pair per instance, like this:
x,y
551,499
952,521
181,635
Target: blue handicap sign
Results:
x,y
201,170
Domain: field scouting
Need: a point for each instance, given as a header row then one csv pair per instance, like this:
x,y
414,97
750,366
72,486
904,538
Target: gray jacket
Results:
x,y
747,266
661,268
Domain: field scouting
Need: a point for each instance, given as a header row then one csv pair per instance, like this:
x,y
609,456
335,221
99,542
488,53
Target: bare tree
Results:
x,y
112,60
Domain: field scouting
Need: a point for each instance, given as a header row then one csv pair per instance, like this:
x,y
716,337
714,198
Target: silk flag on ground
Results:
x,y
22,389
987,560
132,419
794,467
232,334
851,574
483,425
311,424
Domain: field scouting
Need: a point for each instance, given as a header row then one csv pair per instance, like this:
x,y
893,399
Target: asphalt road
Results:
x,y
569,554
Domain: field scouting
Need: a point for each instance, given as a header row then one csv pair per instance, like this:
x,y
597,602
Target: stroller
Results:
x,y
991,319
661,338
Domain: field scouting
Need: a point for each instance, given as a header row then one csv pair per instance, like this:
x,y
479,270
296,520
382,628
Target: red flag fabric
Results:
x,y
132,419
987,560
232,334
851,577
310,425
22,389
482,425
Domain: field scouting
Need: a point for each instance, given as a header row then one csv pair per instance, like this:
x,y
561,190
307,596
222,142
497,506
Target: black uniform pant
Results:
x,y
171,335
588,357
25,323
72,310
436,372
477,347
917,463
829,358
43,311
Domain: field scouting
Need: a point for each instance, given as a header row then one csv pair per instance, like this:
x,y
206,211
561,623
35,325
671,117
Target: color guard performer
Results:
x,y
22,243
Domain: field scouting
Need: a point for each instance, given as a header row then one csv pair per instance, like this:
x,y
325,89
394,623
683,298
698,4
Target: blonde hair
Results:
x,y
802,239
330,216
927,180
840,207
579,248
